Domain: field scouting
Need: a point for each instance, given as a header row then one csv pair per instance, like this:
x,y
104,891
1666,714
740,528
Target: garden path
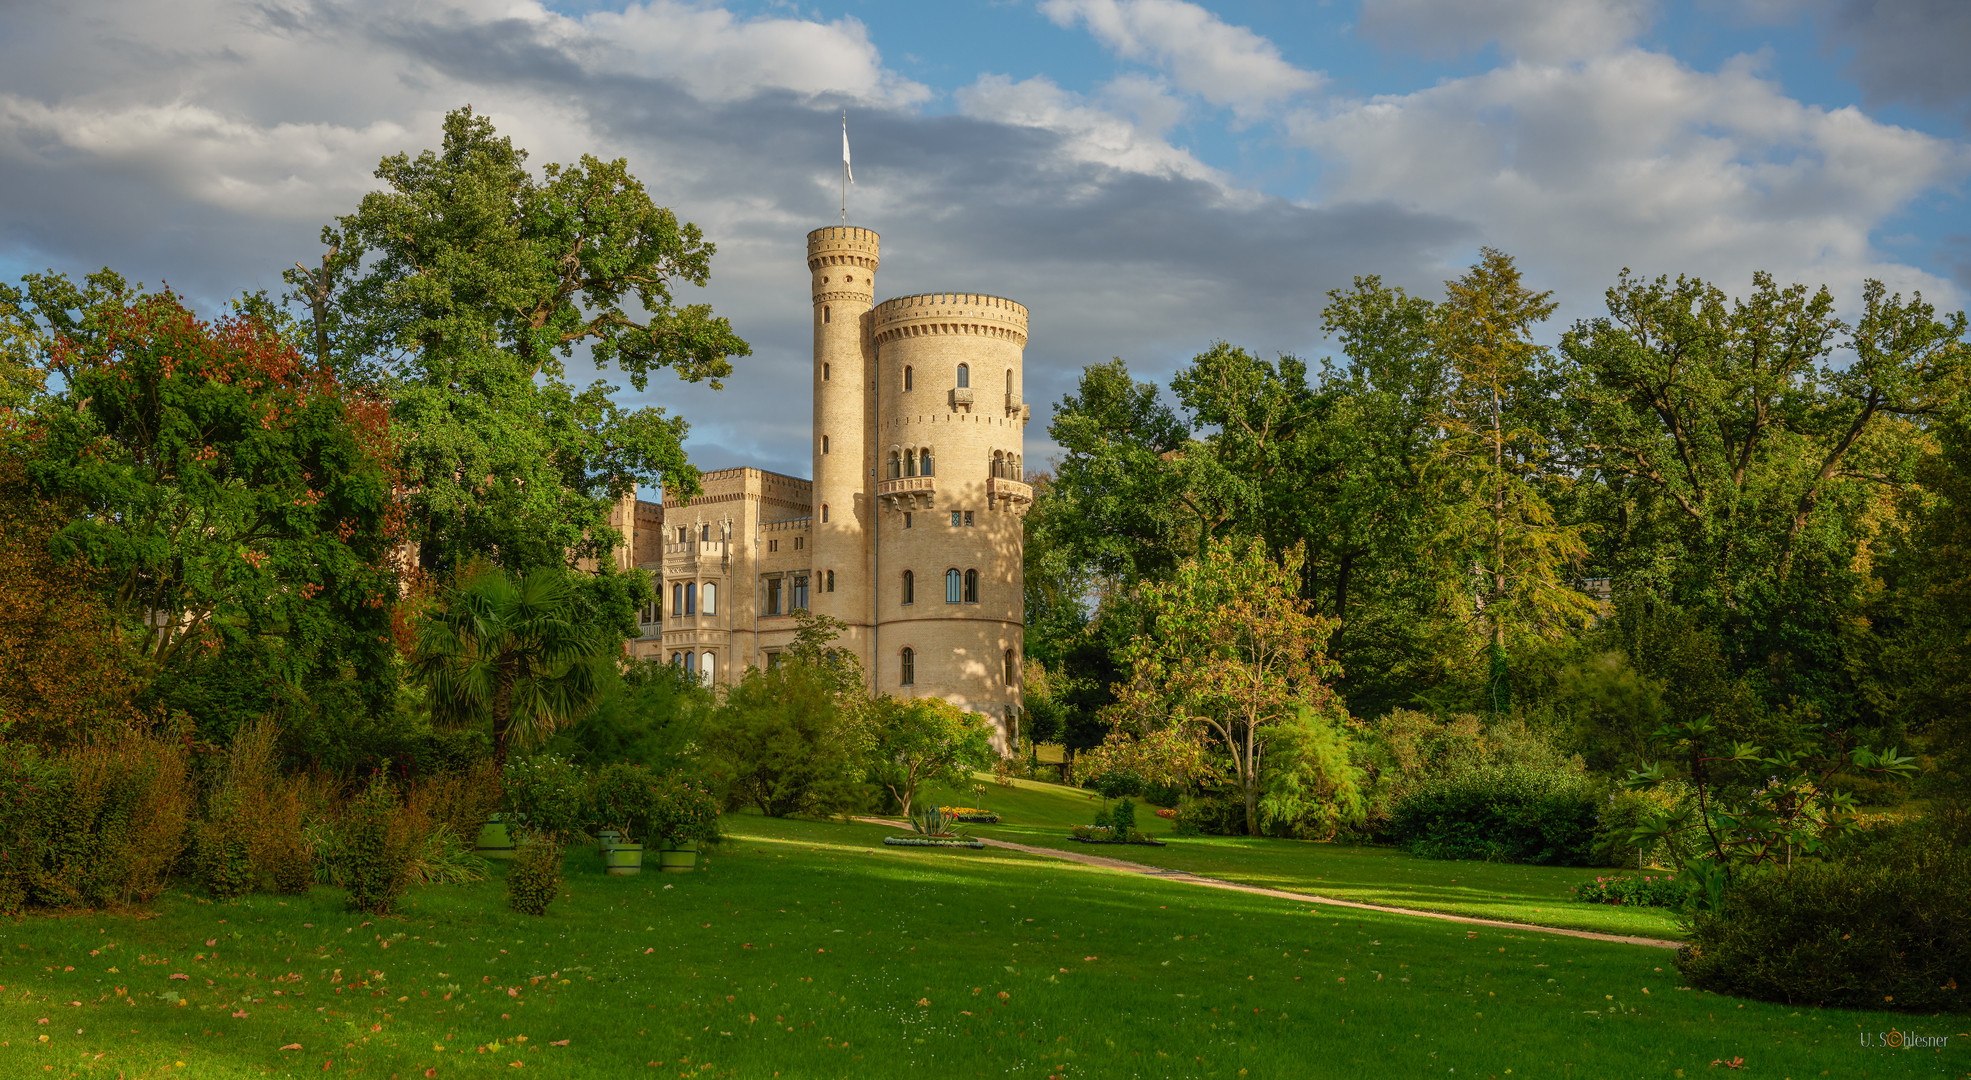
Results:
x,y
1282,894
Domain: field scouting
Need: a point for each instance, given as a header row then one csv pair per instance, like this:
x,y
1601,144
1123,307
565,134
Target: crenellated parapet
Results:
x,y
964,314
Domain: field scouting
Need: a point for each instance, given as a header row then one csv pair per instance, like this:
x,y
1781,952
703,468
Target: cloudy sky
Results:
x,y
1147,175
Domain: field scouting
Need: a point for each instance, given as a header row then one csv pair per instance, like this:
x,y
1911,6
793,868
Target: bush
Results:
x,y
223,849
1505,813
620,798
684,811
1622,812
1123,820
1213,813
459,800
376,846
1310,790
534,880
1118,783
1645,891
780,741
545,794
94,826
1890,934
252,837
650,714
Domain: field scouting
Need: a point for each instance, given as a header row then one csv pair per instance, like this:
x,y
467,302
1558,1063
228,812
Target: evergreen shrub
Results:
x,y
94,826
1503,813
376,846
534,880
1893,933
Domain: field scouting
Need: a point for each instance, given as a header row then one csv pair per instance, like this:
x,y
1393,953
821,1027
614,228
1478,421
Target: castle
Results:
x,y
910,531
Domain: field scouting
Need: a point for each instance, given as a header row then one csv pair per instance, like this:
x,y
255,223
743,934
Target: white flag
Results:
x,y
847,169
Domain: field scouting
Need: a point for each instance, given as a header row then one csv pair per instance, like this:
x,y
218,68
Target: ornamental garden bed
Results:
x,y
1093,840
934,841
971,815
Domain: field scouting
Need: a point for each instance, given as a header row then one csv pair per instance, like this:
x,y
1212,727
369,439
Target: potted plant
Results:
x,y
683,815
620,799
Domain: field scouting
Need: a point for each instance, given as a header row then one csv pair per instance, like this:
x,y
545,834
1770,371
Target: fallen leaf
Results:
x,y
210,942
559,1042
181,975
292,1046
240,1015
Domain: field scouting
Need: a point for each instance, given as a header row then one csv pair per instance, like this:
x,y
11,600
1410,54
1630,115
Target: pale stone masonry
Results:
x,y
910,531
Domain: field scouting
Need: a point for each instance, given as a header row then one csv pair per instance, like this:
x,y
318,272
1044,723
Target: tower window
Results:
x,y
800,542
896,464
924,460
909,587
691,662
677,659
677,601
971,586
704,532
1008,664
824,444
708,667
824,371
954,584
691,598
824,313
773,597
709,597
801,593
831,581
957,519
908,675
964,376
824,512
906,376
906,519
910,463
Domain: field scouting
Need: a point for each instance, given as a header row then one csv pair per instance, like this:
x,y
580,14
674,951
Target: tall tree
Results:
x,y
1494,473
467,283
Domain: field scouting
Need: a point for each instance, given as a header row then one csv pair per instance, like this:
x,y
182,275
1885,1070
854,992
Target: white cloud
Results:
x,y
1226,65
1091,133
1540,30
1633,159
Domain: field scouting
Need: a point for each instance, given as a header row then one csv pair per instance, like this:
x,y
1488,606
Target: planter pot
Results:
x,y
606,839
494,842
674,858
624,859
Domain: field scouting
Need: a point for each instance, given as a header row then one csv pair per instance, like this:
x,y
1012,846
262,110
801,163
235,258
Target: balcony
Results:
x,y
961,398
1009,495
1014,407
695,556
908,493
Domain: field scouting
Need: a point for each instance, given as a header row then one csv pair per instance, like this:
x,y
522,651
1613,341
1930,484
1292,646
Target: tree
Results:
x,y
923,741
233,500
512,651
1496,539
780,740
464,286
1231,652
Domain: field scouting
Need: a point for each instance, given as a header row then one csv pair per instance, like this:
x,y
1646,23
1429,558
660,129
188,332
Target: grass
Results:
x,y
807,949
1037,813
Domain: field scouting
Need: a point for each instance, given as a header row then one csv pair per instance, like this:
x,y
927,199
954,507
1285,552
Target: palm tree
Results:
x,y
511,648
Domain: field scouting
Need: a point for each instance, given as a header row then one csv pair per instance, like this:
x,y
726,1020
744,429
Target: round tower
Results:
x,y
842,263
949,432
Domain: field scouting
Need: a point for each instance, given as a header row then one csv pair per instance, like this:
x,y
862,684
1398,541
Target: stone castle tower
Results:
x,y
909,532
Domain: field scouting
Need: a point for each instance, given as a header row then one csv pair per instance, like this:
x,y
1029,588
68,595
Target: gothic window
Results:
x,y
691,598
971,586
906,377
896,464
910,463
953,587
924,460
677,601
709,598
677,659
908,676
964,376
1009,665
708,667
909,587
801,593
998,465
691,662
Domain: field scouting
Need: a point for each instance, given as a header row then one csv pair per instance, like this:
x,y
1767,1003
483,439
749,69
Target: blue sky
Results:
x,y
1149,176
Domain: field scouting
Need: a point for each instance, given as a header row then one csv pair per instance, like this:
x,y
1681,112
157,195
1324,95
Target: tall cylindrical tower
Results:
x,y
949,438
842,263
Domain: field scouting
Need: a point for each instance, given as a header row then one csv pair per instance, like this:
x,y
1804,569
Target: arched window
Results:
x,y
824,313
910,463
677,659
953,586
908,676
998,464
691,598
964,376
831,581
708,667
824,371
896,464
906,377
1009,380
824,511
909,587
1010,680
824,444
971,586
677,601
691,661
924,461
709,596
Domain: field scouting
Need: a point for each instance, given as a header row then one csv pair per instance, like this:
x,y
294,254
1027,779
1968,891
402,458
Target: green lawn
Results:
x,y
807,949
1040,813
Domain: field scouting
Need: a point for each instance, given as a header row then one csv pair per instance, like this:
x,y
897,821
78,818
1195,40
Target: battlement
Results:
x,y
843,245
951,313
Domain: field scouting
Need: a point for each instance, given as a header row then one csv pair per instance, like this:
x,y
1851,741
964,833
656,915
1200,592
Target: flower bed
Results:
x,y
1103,834
1167,813
934,841
971,815
1647,891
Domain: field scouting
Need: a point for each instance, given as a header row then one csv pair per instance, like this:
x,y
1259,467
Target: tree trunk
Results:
x,y
1252,805
502,720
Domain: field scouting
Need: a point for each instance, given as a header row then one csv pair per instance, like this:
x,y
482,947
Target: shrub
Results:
x,y
620,797
534,880
684,811
252,833
1622,812
780,741
1507,813
223,848
1123,820
376,847
1118,783
459,799
440,857
545,794
1645,891
93,826
1880,934
1310,790
1214,813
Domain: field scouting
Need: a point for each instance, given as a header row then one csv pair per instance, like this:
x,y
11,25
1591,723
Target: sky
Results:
x,y
1147,176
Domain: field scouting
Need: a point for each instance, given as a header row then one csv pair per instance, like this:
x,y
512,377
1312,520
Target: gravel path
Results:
x,y
1182,877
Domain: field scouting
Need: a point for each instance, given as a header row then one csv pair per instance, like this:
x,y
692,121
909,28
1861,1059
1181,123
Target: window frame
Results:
x,y
954,586
907,666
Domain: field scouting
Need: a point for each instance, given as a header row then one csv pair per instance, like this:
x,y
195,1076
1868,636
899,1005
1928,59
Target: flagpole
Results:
x,y
845,167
